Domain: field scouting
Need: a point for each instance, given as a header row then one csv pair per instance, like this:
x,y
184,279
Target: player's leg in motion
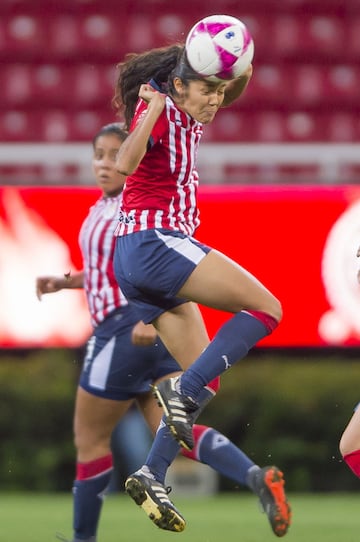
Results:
x,y
215,282
179,395
147,485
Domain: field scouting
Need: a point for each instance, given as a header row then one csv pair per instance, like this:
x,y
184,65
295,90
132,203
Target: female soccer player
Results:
x,y
161,267
124,356
350,439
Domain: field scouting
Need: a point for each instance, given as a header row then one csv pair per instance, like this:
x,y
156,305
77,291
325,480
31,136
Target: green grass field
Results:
x,y
231,517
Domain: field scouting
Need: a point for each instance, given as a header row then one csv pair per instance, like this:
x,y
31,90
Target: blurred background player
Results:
x,y
124,356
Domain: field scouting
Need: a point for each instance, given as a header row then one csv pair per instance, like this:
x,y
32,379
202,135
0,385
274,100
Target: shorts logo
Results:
x,y
89,352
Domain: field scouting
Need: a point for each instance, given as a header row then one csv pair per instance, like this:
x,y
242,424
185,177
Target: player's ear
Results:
x,y
178,85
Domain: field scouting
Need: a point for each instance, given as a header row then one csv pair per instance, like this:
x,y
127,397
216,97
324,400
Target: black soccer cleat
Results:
x,y
153,498
268,483
179,411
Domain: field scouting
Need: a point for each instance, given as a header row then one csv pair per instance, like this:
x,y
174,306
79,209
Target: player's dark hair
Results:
x,y
161,64
114,128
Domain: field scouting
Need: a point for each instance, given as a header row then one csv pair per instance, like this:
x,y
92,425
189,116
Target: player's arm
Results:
x,y
143,334
51,284
236,87
134,147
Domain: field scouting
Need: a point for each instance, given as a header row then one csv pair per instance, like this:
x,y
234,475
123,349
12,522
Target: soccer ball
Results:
x,y
219,47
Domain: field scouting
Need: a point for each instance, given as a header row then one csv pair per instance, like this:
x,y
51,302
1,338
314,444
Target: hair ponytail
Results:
x,y
138,69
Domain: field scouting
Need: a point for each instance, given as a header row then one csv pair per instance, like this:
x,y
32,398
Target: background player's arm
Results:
x,y
51,284
143,334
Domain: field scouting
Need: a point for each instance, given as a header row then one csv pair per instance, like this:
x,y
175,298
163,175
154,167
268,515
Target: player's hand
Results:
x,y
150,95
47,285
143,334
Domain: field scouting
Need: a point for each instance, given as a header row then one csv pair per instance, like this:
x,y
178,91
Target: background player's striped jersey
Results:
x,y
97,242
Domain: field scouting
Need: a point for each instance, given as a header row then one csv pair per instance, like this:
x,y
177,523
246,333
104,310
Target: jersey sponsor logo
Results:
x,y
127,218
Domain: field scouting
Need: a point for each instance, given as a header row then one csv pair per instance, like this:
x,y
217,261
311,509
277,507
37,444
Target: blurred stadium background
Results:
x,y
58,72
295,133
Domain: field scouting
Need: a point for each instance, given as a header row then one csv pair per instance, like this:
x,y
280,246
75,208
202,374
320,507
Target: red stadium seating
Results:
x,y
59,66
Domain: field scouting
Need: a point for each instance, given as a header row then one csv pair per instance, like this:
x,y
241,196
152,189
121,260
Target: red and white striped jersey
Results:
x,y
97,243
162,192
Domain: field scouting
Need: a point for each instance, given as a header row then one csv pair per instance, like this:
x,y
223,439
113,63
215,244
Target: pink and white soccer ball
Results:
x,y
219,47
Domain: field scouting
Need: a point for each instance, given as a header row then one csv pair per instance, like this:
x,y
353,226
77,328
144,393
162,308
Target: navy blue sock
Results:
x,y
231,343
217,451
87,502
165,448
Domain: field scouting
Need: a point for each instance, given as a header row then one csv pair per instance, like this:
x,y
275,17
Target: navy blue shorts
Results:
x,y
114,368
152,265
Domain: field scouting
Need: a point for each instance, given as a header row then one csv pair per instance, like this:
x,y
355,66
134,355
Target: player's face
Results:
x,y
201,99
107,177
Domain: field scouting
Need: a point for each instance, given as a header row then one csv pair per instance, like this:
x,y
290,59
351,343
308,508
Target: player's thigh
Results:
x,y
183,332
95,418
221,283
350,439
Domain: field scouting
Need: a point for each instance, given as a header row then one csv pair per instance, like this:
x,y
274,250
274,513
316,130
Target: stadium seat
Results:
x,y
18,126
64,36
341,128
171,28
102,34
25,34
342,83
16,85
51,85
83,124
353,34
304,127
308,84
230,126
93,84
54,126
269,127
269,84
